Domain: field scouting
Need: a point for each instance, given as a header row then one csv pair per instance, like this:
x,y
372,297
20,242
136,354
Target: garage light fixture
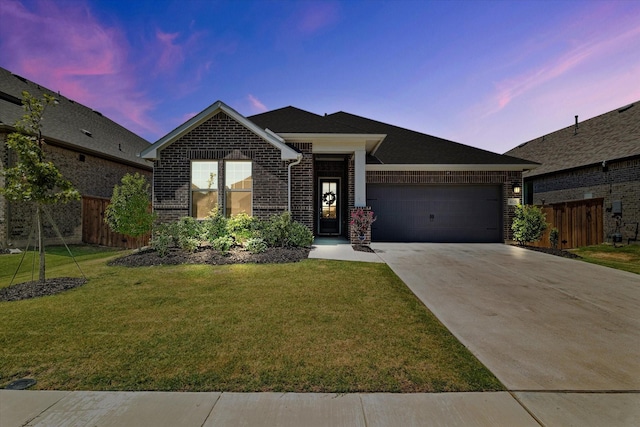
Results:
x,y
517,188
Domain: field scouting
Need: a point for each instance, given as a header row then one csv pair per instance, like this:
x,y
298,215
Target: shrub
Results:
x,y
529,224
282,231
163,239
554,236
299,235
214,226
222,244
276,230
242,227
188,232
256,245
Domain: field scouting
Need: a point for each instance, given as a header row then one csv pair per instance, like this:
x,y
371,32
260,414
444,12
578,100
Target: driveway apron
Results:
x,y
537,321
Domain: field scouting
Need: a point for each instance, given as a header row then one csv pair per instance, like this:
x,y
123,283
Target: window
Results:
x,y
204,188
238,188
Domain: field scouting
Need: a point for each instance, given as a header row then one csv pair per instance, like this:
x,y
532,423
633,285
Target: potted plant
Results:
x,y
361,221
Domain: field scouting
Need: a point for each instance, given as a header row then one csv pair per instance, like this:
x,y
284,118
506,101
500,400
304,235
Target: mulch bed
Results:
x,y
363,248
36,289
209,256
551,251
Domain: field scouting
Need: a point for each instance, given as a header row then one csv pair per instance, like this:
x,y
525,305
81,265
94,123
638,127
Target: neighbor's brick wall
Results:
x,y
505,178
94,176
621,182
222,138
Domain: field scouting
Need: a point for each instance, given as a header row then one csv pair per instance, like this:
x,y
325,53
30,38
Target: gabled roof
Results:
x,y
70,124
400,146
287,153
294,120
404,146
613,135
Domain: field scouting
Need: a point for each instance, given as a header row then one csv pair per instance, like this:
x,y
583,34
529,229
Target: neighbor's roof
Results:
x,y
613,135
400,146
70,124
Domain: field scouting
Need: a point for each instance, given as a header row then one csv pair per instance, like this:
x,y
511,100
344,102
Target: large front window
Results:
x,y
238,183
204,188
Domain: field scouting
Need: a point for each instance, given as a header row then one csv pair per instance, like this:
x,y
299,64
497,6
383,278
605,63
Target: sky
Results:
x,y
490,74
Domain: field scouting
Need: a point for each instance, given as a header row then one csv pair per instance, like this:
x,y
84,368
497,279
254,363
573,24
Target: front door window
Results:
x,y
329,206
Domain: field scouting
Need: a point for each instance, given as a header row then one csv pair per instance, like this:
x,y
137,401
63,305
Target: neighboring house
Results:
x,y
594,161
421,188
90,150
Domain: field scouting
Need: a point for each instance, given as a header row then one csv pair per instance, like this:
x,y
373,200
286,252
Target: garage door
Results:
x,y
436,213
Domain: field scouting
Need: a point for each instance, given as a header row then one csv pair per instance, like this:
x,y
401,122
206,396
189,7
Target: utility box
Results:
x,y
616,207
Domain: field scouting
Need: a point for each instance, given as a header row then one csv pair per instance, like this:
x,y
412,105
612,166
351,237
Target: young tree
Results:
x,y
34,179
528,224
129,213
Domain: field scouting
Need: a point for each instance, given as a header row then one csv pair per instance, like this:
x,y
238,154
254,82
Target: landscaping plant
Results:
x,y
34,179
554,237
529,224
129,212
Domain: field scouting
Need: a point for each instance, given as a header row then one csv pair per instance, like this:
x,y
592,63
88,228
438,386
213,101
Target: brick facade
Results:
x,y
620,181
91,176
504,178
222,138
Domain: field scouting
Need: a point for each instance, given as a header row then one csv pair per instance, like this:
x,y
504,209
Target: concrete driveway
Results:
x,y
537,321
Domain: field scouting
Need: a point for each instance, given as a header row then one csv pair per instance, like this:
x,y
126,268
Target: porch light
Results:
x,y
517,188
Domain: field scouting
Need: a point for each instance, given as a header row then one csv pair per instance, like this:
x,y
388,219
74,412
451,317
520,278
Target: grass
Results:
x,y
313,326
625,258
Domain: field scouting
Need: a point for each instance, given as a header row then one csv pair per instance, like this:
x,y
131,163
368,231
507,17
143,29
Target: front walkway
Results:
x,y
339,248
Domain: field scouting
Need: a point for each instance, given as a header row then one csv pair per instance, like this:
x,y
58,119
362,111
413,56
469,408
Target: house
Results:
x,y
594,163
89,149
421,188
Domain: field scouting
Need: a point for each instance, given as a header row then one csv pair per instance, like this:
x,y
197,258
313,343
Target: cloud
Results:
x,y
317,15
256,105
64,48
171,55
590,54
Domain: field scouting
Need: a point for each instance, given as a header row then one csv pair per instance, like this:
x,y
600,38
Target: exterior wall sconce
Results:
x,y
517,188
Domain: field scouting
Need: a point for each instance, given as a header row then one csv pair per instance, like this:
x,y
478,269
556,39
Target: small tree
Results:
x,y
34,179
129,212
528,224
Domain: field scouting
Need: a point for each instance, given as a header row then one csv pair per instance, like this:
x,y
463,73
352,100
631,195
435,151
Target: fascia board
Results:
x,y
343,142
286,152
451,167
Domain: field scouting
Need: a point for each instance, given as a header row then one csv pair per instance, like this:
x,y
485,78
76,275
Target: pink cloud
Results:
x,y
590,53
64,48
317,15
172,55
256,105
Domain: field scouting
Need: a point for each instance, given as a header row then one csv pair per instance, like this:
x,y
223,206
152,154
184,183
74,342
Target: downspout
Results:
x,y
298,160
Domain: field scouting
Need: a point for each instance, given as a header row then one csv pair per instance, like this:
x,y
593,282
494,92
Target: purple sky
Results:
x,y
490,74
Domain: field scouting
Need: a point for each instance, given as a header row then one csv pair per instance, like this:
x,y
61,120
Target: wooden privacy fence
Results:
x,y
96,231
579,223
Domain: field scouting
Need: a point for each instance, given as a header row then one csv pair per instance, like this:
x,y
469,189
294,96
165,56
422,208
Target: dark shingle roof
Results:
x,y
404,146
294,120
401,146
66,123
613,135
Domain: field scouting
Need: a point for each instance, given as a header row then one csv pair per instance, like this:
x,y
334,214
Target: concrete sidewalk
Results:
x,y
339,248
157,409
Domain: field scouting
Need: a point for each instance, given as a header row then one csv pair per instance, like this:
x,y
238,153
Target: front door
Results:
x,y
329,206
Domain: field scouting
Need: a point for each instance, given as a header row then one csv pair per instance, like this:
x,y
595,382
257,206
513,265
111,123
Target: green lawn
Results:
x,y
625,258
313,326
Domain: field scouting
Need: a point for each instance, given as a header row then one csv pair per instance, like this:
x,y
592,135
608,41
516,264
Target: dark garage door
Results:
x,y
436,213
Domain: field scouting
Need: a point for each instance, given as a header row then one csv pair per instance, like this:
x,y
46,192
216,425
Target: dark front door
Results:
x,y
329,206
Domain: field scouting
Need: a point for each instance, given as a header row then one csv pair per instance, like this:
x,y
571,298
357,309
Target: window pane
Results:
x,y
204,175
238,175
238,202
203,202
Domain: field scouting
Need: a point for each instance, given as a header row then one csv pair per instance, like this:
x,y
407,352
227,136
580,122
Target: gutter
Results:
x,y
298,160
